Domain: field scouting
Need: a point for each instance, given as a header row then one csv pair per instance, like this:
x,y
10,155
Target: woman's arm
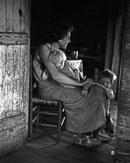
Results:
x,y
53,71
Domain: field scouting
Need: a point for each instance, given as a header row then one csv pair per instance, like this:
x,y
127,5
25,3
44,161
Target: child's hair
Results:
x,y
57,56
107,74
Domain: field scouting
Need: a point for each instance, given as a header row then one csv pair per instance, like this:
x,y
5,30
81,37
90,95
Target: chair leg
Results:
x,y
59,122
37,114
30,128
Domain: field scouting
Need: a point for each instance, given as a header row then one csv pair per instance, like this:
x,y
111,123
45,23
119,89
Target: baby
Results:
x,y
58,58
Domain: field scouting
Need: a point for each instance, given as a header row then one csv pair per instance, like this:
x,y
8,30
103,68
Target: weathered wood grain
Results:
x,y
125,85
127,38
13,38
2,15
17,19
28,17
124,120
9,15
126,61
12,81
11,132
125,73
14,73
124,102
124,134
124,109
123,150
23,15
124,94
120,161
123,116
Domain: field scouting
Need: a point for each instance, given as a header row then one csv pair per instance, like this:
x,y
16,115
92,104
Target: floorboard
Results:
x,y
42,148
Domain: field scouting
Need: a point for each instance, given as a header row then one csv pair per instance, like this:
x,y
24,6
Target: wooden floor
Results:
x,y
44,149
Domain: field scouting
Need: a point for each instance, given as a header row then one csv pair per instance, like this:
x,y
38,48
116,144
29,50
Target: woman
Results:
x,y
84,114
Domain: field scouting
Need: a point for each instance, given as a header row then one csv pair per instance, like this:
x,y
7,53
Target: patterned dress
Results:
x,y
83,113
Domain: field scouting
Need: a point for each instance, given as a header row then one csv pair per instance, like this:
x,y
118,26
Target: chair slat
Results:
x,y
38,100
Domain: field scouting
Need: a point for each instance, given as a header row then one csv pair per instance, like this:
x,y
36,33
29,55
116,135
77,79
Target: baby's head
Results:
x,y
58,58
106,77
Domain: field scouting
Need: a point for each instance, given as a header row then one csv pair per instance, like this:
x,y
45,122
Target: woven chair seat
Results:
x,y
38,100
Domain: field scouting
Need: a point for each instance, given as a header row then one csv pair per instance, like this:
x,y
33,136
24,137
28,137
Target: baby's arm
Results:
x,y
77,75
82,77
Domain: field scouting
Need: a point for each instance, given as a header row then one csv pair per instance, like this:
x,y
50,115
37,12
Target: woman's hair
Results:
x,y
60,30
107,74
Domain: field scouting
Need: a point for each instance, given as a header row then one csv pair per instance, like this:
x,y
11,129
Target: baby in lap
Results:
x,y
58,58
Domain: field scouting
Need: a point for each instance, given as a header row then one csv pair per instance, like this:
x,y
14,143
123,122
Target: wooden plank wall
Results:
x,y
14,73
123,116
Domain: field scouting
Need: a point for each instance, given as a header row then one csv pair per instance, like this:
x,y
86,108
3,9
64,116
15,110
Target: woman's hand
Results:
x,y
87,81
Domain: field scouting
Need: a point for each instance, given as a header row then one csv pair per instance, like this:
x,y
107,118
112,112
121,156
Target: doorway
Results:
x,y
90,21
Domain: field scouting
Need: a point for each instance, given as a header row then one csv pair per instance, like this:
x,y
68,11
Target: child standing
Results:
x,y
105,80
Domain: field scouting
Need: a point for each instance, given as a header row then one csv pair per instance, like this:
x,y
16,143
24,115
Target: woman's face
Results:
x,y
65,41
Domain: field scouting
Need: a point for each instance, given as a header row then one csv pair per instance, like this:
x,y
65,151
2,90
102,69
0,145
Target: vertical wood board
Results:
x,y
11,132
17,21
2,15
9,15
14,73
14,87
23,15
14,15
123,115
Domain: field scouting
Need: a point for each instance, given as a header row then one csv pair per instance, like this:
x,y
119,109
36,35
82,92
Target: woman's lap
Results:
x,y
60,93
84,114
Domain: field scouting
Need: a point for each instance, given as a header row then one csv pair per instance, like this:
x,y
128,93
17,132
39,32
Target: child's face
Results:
x,y
106,82
61,63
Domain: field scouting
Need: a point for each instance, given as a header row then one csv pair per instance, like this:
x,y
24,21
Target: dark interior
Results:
x,y
90,21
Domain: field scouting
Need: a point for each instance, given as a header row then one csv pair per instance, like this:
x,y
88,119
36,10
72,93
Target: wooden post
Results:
x,y
122,149
110,38
117,45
